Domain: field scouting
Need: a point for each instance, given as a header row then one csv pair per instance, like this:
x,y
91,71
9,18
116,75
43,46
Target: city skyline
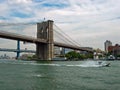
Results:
x,y
89,22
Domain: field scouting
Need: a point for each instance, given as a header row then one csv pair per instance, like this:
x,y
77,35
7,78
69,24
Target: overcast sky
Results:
x,y
89,22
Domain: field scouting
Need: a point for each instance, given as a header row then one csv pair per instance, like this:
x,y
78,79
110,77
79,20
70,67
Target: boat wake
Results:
x,y
95,64
92,64
82,64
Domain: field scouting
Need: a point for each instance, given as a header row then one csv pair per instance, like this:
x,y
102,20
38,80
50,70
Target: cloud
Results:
x,y
90,22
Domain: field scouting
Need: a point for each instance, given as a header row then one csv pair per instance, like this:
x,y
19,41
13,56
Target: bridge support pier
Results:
x,y
18,49
44,51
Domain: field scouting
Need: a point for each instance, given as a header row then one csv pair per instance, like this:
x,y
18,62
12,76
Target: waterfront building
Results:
x,y
98,54
26,56
5,56
114,50
107,44
58,51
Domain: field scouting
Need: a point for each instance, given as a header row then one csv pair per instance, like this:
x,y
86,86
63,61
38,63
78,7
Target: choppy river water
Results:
x,y
58,75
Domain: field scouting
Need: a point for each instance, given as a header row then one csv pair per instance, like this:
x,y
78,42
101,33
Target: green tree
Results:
x,y
71,55
74,55
89,55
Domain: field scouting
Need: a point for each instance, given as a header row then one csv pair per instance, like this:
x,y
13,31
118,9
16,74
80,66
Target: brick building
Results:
x,y
114,50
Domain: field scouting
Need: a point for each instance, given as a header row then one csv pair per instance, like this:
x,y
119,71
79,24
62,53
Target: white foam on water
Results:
x,y
83,65
30,63
88,64
45,64
37,75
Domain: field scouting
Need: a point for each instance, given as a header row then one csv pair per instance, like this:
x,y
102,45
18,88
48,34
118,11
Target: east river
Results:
x,y
58,75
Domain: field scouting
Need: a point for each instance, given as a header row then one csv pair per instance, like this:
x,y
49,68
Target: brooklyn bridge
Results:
x,y
44,41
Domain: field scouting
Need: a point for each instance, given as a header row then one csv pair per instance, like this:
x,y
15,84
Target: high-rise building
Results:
x,y
107,44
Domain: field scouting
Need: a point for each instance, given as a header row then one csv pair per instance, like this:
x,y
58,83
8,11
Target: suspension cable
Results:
x,y
67,36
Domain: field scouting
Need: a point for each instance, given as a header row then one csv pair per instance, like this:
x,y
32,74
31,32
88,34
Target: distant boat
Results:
x,y
111,57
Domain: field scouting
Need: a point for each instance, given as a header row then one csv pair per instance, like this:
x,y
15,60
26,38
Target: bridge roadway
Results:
x,y
15,50
14,36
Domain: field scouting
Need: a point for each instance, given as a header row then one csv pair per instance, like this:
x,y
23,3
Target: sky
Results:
x,y
89,22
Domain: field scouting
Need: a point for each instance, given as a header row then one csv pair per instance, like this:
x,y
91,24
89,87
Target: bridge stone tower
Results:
x,y
44,51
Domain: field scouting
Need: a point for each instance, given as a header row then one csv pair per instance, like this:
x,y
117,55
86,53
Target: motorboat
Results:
x,y
106,65
103,64
111,57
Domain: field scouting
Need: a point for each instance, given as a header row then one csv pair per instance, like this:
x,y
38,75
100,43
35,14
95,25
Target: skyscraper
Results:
x,y
107,44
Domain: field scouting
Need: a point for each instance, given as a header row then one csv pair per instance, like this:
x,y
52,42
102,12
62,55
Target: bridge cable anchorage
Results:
x,y
67,37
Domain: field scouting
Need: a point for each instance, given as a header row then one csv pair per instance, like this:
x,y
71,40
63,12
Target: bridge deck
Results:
x,y
15,50
14,36
72,47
